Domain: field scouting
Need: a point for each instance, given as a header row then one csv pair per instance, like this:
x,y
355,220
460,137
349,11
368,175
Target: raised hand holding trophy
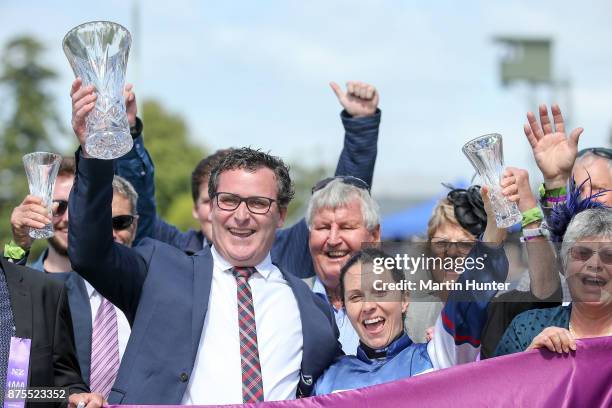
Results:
x,y
487,156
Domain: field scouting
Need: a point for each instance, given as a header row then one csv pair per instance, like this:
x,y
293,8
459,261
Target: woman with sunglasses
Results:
x,y
452,230
586,255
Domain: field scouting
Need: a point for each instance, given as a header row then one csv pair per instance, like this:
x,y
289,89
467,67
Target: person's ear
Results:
x,y
405,302
376,234
282,211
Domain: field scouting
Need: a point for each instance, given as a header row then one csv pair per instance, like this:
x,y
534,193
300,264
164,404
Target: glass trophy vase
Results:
x,y
486,155
41,169
98,53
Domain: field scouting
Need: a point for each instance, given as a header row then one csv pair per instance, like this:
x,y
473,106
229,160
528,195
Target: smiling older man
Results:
x,y
341,216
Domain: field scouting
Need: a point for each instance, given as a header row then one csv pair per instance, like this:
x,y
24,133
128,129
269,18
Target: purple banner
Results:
x,y
530,379
17,371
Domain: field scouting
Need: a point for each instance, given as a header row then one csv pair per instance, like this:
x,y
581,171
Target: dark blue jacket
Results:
x,y
164,294
290,251
80,311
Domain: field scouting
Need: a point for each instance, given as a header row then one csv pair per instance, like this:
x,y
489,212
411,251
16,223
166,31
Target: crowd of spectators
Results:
x,y
129,309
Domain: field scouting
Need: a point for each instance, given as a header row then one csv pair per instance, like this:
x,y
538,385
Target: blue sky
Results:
x,y
257,73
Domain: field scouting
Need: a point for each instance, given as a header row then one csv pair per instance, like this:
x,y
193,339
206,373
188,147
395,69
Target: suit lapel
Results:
x,y
308,314
202,279
21,302
80,310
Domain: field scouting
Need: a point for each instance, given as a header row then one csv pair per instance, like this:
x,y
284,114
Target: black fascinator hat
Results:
x,y
469,208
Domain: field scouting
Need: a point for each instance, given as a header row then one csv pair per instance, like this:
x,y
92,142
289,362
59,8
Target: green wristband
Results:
x,y
554,192
14,251
532,215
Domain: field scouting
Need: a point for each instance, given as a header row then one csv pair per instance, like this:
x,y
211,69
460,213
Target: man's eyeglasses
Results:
x,y
350,180
121,222
583,254
62,206
597,151
256,205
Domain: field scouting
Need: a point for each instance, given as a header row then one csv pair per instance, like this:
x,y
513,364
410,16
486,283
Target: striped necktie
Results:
x,y
104,349
252,384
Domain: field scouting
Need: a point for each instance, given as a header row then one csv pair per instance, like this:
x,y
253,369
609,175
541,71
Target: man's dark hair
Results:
x,y
67,167
251,160
367,256
202,171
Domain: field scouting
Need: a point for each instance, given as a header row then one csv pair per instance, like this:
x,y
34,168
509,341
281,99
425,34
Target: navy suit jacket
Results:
x,y
290,251
164,295
80,310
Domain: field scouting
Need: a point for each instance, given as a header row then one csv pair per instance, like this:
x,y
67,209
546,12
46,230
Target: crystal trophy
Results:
x,y
98,53
487,156
41,169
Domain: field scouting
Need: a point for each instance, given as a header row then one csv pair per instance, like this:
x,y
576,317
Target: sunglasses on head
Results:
x,y
62,206
121,222
350,180
597,151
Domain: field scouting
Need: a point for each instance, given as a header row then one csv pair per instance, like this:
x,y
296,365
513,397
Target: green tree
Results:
x,y
303,178
29,118
175,156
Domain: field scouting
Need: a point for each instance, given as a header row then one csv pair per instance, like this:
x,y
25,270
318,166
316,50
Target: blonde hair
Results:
x,y
443,213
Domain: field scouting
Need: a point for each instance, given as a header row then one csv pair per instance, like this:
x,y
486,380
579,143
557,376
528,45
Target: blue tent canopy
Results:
x,y
408,222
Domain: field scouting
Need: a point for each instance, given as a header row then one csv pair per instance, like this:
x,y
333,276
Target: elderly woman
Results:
x,y
376,302
586,253
455,224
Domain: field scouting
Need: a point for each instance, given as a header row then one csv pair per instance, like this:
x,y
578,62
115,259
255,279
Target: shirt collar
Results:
x,y
264,268
90,289
319,288
391,350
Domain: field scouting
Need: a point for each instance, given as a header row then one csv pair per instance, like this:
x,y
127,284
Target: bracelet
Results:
x,y
14,251
529,234
553,192
532,215
552,196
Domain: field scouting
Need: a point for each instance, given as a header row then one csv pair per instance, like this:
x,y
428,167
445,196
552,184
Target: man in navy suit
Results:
x,y
188,341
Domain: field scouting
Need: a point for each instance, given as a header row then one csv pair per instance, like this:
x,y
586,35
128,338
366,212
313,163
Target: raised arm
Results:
x,y
115,271
361,119
137,167
459,326
543,275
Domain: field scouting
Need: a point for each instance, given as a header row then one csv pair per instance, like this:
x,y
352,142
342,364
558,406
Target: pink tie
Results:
x,y
104,349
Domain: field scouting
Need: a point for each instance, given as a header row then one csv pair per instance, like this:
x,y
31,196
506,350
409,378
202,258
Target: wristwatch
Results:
x,y
137,129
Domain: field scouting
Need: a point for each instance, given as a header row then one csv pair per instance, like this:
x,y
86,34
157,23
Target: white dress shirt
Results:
x,y
217,375
123,326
